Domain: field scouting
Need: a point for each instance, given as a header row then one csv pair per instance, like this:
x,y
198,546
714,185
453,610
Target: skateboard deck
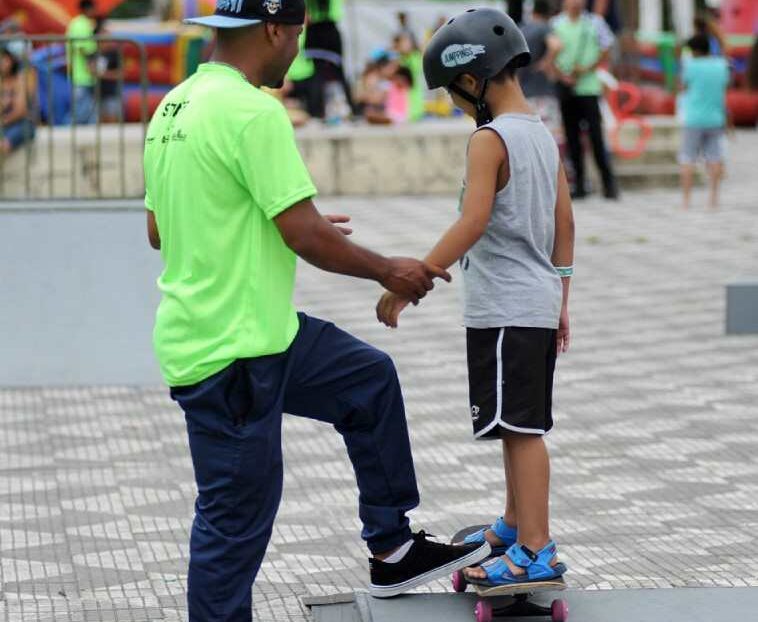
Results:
x,y
462,533
518,604
486,591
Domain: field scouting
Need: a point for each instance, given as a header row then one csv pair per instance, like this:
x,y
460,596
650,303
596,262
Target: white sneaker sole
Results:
x,y
387,591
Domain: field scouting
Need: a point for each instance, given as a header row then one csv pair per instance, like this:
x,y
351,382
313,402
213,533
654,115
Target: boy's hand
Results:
x,y
564,332
410,278
389,308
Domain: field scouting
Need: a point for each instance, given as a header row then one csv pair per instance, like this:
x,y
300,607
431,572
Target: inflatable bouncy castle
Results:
x,y
173,51
48,16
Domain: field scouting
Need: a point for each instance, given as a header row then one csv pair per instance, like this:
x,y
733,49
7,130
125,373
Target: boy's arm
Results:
x,y
563,252
486,156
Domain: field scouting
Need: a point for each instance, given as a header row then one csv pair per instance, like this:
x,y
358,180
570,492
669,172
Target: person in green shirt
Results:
x,y
302,83
411,58
586,41
229,205
323,43
81,51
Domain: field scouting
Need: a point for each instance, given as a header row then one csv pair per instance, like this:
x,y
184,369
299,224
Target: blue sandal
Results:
x,y
507,534
537,566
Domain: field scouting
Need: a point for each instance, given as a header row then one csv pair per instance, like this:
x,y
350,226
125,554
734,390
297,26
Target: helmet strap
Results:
x,y
483,113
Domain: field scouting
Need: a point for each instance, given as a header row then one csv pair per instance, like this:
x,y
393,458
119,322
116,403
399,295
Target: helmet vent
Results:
x,y
470,10
498,30
452,19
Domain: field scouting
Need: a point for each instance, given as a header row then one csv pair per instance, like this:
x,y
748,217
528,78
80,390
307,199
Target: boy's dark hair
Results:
x,y
86,5
507,73
700,23
543,8
405,73
700,45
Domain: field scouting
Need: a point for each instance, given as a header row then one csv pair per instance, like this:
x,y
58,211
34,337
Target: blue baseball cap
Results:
x,y
241,13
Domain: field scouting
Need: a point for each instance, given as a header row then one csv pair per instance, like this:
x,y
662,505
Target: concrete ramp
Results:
x,y
620,605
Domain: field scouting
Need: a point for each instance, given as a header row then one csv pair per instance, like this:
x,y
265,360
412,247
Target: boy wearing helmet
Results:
x,y
514,240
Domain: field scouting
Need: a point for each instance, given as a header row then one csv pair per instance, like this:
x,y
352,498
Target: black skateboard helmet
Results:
x,y
480,42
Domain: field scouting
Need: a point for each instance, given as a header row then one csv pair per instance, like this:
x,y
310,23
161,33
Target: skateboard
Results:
x,y
519,604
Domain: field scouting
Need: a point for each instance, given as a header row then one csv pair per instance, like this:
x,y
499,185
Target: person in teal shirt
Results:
x,y
704,81
586,41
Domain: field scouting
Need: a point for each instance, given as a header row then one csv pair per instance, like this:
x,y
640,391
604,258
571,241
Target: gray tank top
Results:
x,y
508,276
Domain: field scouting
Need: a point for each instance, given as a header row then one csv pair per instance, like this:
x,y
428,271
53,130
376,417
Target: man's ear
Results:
x,y
269,28
274,31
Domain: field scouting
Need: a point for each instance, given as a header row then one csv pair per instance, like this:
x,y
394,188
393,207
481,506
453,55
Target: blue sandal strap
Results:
x,y
504,532
537,566
500,528
497,571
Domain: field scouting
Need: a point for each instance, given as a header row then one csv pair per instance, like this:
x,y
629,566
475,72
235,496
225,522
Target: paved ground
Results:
x,y
654,458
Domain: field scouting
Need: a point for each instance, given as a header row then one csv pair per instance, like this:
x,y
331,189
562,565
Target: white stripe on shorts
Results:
x,y
498,419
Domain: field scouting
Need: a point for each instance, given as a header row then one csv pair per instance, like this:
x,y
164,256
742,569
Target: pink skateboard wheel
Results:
x,y
459,581
560,611
483,611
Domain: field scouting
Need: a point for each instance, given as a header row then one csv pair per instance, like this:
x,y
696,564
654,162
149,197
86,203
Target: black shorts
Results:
x,y
510,377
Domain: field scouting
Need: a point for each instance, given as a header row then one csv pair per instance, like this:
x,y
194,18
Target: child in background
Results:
x,y
409,56
704,81
398,103
514,240
371,93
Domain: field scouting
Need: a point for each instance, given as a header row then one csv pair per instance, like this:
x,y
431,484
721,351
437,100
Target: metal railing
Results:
x,y
45,65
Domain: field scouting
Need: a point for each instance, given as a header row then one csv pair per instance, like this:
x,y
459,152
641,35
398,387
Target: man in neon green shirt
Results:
x,y
81,50
229,205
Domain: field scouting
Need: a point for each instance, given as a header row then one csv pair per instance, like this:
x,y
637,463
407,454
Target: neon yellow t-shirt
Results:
x,y
414,62
220,163
81,27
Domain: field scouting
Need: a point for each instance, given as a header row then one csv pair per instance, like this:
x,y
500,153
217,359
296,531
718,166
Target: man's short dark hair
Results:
x,y
543,8
700,44
86,5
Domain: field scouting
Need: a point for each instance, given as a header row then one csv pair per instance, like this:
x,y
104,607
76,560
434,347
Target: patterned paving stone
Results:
x,y
653,454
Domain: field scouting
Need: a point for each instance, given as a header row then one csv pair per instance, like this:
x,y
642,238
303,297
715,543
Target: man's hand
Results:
x,y
318,240
389,308
410,278
564,332
337,219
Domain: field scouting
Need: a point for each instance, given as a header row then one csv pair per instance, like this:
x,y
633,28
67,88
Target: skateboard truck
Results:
x,y
521,607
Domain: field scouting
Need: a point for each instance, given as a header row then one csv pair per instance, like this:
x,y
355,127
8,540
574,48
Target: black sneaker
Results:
x,y
424,562
611,193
